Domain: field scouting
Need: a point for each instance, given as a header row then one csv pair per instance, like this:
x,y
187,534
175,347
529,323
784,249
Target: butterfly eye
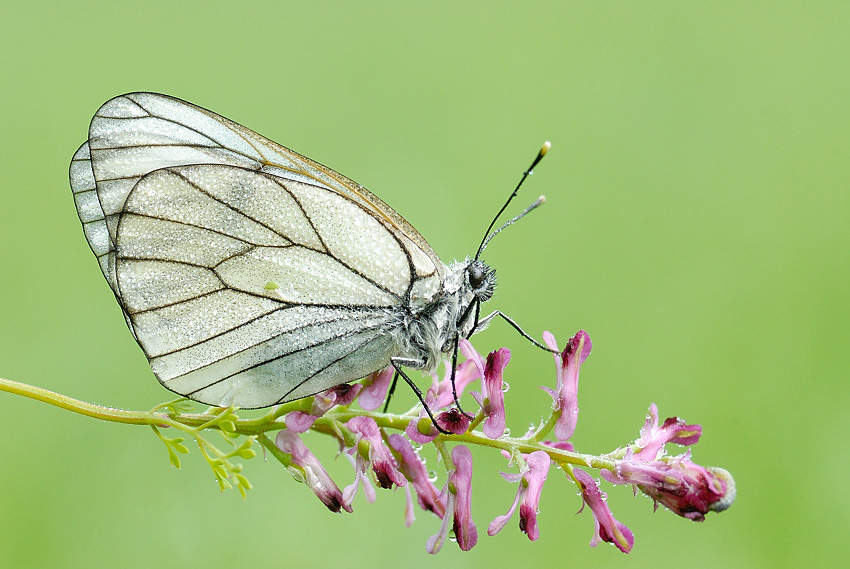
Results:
x,y
475,274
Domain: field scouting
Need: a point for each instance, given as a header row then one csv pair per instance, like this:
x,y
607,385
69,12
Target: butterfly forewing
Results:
x,y
138,133
249,274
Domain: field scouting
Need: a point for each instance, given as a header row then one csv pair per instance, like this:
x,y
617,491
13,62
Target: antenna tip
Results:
x,y
545,148
541,200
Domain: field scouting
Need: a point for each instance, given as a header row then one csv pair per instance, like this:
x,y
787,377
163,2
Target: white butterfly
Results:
x,y
251,275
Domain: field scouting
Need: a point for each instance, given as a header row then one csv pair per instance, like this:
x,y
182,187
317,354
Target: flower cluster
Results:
x,y
392,459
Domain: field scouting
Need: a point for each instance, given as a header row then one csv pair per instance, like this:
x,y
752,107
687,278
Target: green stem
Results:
x,y
81,407
194,420
330,423
271,448
524,445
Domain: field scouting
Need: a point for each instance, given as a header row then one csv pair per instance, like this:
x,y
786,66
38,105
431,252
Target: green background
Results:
x,y
697,225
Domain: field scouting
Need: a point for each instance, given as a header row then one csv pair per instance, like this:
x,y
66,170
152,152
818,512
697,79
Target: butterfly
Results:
x,y
251,275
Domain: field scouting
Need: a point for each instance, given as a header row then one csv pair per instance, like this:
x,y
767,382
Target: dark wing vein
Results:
x,y
354,349
287,354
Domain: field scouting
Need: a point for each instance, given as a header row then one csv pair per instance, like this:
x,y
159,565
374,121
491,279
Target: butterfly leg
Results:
x,y
397,363
391,391
484,322
454,387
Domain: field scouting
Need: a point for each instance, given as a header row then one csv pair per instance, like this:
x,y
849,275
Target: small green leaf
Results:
x,y
242,481
173,458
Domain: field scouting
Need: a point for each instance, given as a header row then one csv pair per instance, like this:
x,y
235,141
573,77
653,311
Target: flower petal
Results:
x,y
312,471
538,468
653,438
383,464
494,401
607,527
461,482
375,389
429,498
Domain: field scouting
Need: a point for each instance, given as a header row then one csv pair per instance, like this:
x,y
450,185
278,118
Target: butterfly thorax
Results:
x,y
429,328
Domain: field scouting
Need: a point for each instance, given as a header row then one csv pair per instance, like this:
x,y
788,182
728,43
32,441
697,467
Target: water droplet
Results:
x,y
505,386
432,476
507,432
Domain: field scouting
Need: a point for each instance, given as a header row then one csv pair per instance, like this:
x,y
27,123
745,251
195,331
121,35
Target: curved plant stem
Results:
x,y
331,423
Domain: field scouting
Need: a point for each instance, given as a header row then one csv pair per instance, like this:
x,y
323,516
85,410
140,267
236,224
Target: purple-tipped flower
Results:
x,y
607,527
685,488
340,395
311,471
414,470
453,421
459,503
344,394
461,481
653,438
380,457
528,495
565,394
375,389
491,399
440,396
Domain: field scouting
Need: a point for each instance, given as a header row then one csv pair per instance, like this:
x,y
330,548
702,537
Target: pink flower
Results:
x,y
440,396
453,421
685,488
349,492
299,422
459,487
461,481
340,395
422,430
311,471
375,389
528,495
491,399
414,470
653,438
607,528
383,464
565,394
465,373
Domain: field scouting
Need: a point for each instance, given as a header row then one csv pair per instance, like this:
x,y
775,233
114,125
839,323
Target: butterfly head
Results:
x,y
481,279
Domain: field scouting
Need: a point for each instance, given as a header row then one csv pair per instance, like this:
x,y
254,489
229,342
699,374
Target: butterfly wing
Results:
x,y
137,133
249,274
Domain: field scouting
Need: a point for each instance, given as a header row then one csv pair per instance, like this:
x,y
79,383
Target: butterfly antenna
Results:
x,y
537,203
543,150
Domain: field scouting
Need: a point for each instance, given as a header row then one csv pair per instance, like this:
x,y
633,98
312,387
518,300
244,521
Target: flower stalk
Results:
x,y
383,447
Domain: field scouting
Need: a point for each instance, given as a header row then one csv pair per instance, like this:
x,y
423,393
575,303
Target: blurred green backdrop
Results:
x,y
697,225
